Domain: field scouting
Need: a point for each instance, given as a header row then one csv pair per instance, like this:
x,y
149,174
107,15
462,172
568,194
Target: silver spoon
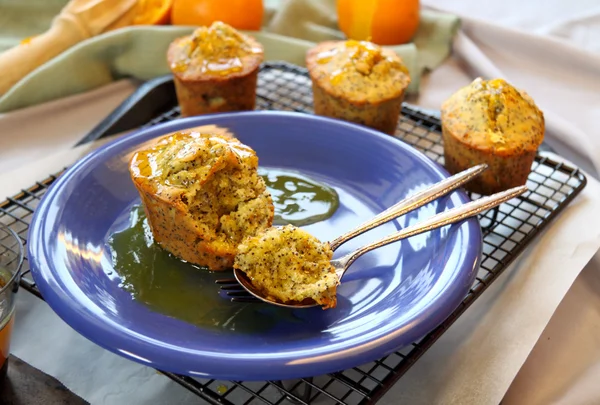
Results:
x,y
451,216
410,203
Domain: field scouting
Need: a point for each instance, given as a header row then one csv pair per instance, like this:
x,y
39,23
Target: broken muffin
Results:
x,y
289,265
202,195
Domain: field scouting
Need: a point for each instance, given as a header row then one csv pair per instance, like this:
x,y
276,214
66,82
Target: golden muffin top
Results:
x,y
186,158
210,177
289,265
181,163
359,71
217,50
494,116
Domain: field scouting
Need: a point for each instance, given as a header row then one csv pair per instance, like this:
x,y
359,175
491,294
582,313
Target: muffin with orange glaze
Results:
x,y
215,70
358,81
202,195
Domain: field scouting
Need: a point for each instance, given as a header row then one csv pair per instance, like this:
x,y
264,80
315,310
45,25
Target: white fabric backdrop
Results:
x,y
552,50
563,77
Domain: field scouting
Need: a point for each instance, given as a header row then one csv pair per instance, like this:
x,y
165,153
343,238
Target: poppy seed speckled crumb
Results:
x,y
202,195
289,265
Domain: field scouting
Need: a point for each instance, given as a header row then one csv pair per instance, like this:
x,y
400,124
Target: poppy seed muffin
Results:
x,y
358,81
202,195
491,122
289,265
215,70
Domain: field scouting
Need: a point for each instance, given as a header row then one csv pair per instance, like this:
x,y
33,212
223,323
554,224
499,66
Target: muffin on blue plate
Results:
x,y
202,195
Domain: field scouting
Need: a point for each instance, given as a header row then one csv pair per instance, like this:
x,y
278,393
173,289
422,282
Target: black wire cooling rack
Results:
x,y
507,231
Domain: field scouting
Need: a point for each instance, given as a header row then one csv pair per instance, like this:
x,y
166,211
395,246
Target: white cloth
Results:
x,y
563,79
552,50
33,133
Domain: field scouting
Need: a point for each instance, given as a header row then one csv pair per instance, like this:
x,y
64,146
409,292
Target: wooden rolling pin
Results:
x,y
77,21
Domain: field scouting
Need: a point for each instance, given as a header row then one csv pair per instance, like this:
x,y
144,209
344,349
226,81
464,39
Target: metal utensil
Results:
x,y
411,203
451,216
239,294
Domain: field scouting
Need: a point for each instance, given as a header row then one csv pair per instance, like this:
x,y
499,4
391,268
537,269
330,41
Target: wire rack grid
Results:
x,y
506,232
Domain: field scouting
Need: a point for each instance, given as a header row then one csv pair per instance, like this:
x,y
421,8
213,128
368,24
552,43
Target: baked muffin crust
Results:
x,y
289,265
215,70
494,116
358,81
202,195
215,51
358,71
492,122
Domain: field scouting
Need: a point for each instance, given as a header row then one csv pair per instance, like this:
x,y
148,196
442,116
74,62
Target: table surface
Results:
x,y
26,385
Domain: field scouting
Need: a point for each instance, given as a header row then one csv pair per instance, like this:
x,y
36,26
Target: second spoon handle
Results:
x,y
437,221
411,203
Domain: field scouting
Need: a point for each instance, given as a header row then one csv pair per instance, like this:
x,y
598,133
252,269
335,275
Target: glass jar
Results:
x,y
11,260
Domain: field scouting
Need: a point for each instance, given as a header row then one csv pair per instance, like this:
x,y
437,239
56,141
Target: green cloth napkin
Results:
x,y
291,28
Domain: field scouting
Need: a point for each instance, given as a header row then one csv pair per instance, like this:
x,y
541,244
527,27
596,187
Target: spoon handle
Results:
x,y
411,203
437,221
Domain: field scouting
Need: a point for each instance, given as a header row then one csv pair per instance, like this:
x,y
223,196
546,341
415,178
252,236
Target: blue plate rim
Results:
x,y
49,286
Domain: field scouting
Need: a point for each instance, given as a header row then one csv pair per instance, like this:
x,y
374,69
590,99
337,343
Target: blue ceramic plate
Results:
x,y
389,298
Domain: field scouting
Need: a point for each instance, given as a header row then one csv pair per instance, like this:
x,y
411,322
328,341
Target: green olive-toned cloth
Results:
x,y
290,29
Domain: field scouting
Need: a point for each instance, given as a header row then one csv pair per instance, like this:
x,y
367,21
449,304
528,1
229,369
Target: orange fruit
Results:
x,y
240,14
384,22
152,12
